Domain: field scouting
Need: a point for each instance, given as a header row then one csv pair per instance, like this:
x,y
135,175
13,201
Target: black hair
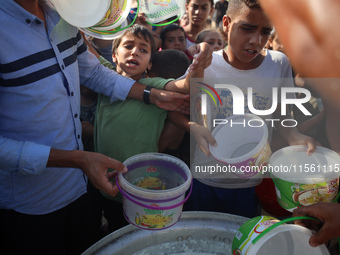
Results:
x,y
235,6
139,31
170,28
211,2
169,64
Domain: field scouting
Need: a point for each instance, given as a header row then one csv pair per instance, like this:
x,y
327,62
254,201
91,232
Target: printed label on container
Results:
x,y
249,231
154,219
159,10
293,194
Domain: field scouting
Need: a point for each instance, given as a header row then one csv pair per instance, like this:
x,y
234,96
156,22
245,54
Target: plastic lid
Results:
x,y
82,13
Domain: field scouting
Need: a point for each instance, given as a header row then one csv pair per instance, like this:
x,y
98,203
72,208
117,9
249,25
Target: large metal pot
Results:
x,y
195,233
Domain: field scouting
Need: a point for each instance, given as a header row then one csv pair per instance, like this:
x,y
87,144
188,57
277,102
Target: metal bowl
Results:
x,y
195,233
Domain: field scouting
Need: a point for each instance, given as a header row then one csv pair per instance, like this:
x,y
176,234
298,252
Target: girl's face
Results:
x,y
215,41
198,11
132,56
175,40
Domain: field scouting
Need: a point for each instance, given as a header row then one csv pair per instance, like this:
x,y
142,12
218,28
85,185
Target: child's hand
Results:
x,y
203,137
202,57
171,101
301,139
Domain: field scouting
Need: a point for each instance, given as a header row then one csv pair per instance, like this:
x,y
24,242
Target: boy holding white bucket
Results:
x,y
247,64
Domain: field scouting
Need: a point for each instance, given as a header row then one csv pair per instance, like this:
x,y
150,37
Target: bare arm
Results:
x,y
202,135
307,125
167,100
202,60
180,120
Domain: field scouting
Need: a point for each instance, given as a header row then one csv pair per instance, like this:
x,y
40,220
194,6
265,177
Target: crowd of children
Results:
x,y
243,50
136,55
246,48
240,54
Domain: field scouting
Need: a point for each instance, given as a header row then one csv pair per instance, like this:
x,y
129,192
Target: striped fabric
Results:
x,y
41,68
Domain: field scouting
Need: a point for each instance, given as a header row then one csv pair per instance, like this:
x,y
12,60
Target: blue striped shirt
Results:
x,y
40,73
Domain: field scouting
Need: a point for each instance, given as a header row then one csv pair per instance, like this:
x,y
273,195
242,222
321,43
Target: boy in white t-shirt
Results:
x,y
244,63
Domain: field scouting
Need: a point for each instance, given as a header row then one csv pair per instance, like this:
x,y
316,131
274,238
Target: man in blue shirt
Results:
x,y
43,168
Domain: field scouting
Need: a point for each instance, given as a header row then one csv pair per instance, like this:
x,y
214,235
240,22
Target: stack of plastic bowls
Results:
x,y
102,19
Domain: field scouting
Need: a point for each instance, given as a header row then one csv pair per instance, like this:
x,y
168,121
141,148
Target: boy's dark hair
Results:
x,y
139,31
235,6
169,64
170,28
211,2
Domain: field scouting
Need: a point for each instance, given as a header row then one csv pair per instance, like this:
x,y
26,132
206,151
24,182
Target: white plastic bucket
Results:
x,y
159,205
159,10
101,14
119,10
243,144
264,235
82,13
302,180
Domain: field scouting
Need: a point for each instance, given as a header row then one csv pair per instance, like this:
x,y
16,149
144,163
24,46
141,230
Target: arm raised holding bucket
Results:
x,y
202,59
